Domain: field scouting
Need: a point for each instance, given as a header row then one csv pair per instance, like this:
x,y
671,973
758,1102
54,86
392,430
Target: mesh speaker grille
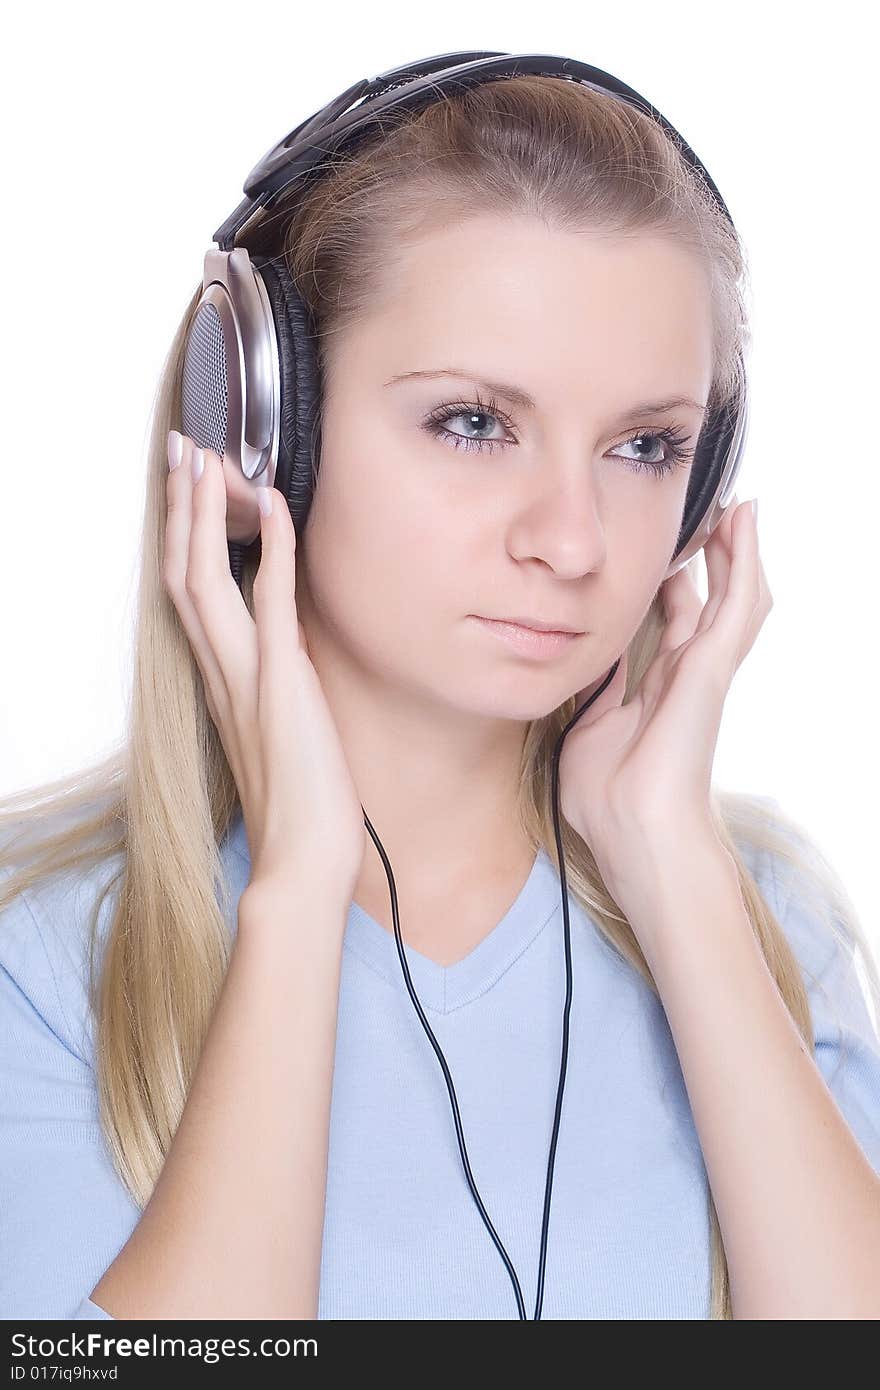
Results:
x,y
205,395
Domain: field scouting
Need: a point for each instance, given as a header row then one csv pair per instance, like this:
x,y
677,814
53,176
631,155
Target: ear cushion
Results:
x,y
299,440
713,445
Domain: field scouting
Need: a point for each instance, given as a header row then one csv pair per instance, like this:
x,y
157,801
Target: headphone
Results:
x,y
251,391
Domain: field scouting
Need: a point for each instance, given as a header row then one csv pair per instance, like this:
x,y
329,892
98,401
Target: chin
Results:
x,y
526,703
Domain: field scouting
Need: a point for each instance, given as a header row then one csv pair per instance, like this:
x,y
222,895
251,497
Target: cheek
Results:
x,y
405,523
643,531
378,564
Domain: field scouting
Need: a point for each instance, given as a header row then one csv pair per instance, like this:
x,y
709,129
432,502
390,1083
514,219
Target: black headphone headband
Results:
x,y
251,381
358,111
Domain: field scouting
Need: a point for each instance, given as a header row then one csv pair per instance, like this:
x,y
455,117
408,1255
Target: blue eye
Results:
x,y
476,416
673,440
674,453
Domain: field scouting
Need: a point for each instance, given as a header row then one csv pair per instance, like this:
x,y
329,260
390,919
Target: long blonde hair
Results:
x,y
164,798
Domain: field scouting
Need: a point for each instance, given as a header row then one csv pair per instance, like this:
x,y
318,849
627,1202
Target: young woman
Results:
x,y
217,1098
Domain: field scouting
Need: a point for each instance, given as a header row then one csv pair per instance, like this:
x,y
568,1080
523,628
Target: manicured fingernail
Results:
x,y
198,463
175,448
264,500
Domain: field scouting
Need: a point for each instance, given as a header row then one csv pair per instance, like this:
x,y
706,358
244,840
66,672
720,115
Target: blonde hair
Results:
x,y
164,799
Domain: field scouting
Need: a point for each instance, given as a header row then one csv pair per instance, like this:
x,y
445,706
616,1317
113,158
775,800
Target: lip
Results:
x,y
534,626
529,641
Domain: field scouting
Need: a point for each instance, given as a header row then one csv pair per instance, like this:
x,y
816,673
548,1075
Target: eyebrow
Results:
x,y
520,397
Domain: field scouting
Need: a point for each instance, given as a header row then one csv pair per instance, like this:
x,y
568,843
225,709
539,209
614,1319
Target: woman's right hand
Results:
x,y
301,809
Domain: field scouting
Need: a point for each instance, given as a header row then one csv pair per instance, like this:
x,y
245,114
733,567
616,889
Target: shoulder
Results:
x,y
45,942
796,879
52,938
835,955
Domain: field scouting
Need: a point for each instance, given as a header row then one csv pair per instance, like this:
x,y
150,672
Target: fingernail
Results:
x,y
754,506
198,463
175,448
264,500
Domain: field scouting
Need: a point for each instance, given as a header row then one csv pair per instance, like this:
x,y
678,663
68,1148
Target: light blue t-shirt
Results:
x,y
403,1239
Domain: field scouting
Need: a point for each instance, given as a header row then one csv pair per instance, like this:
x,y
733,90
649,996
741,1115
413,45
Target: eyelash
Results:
x,y
672,437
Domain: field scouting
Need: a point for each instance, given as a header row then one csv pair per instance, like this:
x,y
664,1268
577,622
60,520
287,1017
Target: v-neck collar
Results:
x,y
447,987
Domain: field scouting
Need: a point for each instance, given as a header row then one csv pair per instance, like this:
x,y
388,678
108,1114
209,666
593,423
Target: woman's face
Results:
x,y
541,511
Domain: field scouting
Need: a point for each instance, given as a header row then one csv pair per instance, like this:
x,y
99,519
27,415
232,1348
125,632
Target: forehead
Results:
x,y
517,296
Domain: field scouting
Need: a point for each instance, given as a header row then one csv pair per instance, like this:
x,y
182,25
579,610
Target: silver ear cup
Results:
x,y
230,388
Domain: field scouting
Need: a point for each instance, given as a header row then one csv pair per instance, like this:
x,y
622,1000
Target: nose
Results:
x,y
561,524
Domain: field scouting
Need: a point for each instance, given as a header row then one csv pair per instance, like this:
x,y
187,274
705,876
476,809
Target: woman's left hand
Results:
x,y
640,773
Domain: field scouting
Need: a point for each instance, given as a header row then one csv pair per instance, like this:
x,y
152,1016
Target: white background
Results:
x,y
127,136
